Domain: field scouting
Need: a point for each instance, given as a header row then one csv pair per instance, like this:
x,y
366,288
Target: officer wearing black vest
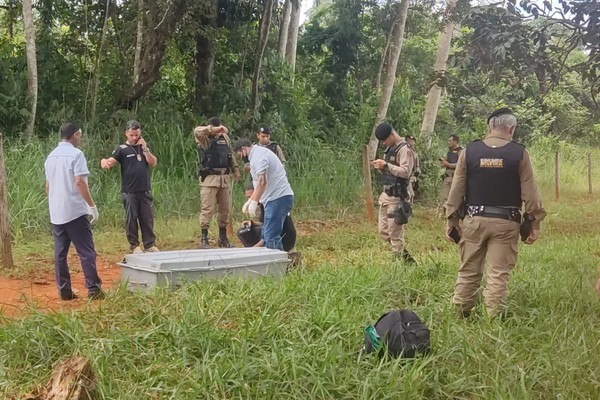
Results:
x,y
264,139
450,164
493,180
215,164
397,168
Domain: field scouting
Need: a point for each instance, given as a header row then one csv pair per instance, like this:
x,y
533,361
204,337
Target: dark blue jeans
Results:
x,y
78,232
275,213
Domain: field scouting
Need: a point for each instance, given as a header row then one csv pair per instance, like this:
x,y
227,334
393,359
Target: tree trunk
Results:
x,y
32,75
390,79
138,42
284,27
244,55
162,21
292,41
384,58
5,235
11,21
263,38
96,84
205,60
114,17
435,92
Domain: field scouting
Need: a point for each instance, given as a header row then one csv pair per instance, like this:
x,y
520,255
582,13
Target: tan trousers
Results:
x,y
388,229
446,188
498,240
214,199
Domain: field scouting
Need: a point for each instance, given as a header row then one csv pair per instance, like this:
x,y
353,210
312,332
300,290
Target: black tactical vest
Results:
x,y
394,185
273,147
217,155
493,174
452,157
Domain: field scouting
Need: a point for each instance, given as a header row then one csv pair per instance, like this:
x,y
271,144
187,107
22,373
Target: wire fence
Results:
x,y
328,181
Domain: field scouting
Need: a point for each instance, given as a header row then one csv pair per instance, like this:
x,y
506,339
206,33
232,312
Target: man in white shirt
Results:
x,y
271,189
70,203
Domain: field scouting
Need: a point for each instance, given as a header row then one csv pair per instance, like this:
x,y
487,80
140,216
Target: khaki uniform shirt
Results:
x,y
529,193
278,152
405,158
202,134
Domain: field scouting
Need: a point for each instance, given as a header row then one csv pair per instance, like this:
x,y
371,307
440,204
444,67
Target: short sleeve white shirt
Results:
x,y
63,164
263,160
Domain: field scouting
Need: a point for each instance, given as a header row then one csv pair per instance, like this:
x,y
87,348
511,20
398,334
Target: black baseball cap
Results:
x,y
500,111
383,131
264,129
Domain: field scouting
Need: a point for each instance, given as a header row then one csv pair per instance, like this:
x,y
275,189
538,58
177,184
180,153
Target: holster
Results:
x,y
526,227
402,214
204,173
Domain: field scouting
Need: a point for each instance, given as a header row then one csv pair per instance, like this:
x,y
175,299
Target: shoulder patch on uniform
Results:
x,y
123,146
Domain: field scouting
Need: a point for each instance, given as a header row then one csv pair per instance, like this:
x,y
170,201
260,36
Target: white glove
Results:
x,y
250,207
253,208
93,211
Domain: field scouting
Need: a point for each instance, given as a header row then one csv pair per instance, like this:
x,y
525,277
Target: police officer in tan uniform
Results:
x,y
396,167
450,164
216,164
264,139
493,180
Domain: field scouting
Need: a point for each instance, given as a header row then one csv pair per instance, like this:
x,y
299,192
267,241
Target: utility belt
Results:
x,y
219,171
396,191
509,213
213,171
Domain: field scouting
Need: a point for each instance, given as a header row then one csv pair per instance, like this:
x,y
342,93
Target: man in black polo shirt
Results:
x,y
135,159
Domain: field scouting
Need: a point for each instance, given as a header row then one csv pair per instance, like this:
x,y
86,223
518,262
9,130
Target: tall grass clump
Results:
x,y
326,179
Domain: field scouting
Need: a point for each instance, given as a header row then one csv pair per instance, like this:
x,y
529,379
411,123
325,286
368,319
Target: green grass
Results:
x,y
300,337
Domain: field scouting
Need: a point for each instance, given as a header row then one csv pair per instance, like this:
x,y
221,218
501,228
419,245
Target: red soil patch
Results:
x,y
17,295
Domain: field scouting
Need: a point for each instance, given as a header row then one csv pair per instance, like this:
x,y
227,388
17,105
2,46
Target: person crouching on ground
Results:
x,y
250,234
271,189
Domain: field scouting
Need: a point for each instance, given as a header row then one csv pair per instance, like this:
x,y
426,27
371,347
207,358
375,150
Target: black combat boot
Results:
x,y
407,258
223,241
204,240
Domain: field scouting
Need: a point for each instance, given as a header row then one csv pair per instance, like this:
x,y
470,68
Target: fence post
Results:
x,y
590,173
5,235
368,185
556,177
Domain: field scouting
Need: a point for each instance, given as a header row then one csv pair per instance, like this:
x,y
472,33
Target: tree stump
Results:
x,y
71,379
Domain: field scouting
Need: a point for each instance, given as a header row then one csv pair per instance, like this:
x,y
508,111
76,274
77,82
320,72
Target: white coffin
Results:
x,y
172,268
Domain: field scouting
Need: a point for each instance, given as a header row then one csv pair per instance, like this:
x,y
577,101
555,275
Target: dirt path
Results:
x,y
17,296
38,290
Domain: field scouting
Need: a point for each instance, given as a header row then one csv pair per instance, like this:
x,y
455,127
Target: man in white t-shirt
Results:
x,y
70,203
271,189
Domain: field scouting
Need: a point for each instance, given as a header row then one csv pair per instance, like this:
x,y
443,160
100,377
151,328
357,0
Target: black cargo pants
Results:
x,y
139,213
